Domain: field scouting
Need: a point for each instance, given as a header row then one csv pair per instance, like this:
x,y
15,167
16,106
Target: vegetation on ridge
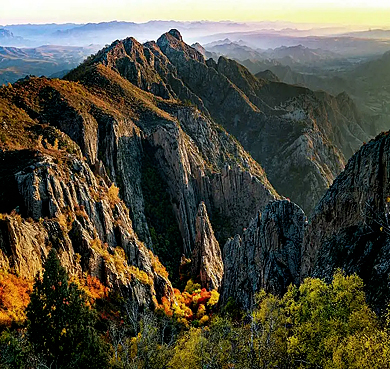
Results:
x,y
315,325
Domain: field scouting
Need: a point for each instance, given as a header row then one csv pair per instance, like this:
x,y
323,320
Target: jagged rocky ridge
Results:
x,y
66,207
115,126
121,125
299,136
350,226
267,256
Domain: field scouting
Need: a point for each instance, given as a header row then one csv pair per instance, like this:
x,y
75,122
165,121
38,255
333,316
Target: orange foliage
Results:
x,y
166,306
157,266
95,289
189,307
14,298
92,286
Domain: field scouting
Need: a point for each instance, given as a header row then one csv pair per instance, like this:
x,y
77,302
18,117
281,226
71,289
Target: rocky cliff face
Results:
x,y
65,206
236,99
350,230
350,227
272,120
156,121
267,255
121,129
207,264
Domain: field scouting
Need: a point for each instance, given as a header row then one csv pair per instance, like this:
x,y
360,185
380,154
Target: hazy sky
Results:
x,y
367,12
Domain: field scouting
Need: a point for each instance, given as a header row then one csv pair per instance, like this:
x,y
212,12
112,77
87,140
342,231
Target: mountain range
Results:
x,y
153,150
284,55
16,63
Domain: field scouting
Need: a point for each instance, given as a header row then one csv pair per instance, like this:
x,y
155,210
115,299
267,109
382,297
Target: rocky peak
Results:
x,y
176,34
266,256
197,46
206,257
172,44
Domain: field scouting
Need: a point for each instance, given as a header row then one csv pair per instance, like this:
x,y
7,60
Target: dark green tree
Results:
x,y
61,325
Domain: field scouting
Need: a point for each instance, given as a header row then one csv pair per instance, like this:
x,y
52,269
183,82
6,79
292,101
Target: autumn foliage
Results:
x,y
14,298
92,287
194,305
15,295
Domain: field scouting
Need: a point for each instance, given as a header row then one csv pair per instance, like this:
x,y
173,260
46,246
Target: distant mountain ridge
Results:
x,y
45,60
8,38
286,55
150,149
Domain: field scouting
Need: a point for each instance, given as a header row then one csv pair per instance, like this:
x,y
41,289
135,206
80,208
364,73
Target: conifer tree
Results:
x,y
60,322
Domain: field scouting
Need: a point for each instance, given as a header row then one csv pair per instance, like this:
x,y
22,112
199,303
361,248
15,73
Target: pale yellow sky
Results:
x,y
352,12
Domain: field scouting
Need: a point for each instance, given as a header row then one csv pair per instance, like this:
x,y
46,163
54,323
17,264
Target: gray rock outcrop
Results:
x,y
267,256
206,260
350,226
67,207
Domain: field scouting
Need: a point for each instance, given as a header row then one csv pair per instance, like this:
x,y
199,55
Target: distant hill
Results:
x,y
299,54
372,33
5,34
8,38
234,50
286,55
16,63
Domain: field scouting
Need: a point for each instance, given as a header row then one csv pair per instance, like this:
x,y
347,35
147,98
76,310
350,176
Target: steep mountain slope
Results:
x,y
260,113
350,228
306,120
58,202
267,255
148,146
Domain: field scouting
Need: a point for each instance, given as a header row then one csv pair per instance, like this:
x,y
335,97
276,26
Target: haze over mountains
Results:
x,y
218,193
197,148
48,60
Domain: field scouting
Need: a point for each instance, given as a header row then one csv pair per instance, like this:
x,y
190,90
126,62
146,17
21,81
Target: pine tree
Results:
x,y
60,323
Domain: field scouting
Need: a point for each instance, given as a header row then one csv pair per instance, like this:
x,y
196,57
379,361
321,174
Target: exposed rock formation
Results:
x,y
272,120
161,104
65,206
350,227
200,167
267,255
190,150
117,125
206,257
